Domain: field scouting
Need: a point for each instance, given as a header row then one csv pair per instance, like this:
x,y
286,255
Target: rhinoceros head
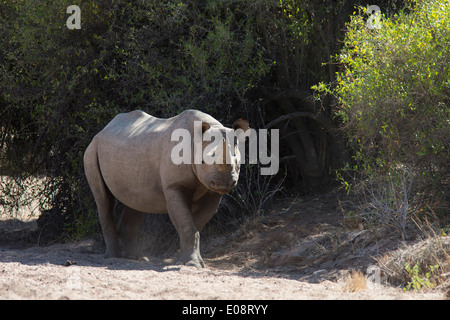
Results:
x,y
221,159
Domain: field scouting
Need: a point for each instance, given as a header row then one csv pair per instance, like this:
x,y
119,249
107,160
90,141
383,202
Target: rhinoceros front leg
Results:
x,y
204,209
178,206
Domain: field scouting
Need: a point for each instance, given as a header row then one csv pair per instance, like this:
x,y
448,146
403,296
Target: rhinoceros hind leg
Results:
x,y
110,232
128,233
104,200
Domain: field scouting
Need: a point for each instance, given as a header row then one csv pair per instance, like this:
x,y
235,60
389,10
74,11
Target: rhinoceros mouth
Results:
x,y
220,188
223,191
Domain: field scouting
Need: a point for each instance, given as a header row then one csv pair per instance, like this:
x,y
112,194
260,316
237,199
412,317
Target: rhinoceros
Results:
x,y
131,160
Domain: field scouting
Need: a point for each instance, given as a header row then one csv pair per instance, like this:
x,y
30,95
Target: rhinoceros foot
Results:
x,y
190,254
191,260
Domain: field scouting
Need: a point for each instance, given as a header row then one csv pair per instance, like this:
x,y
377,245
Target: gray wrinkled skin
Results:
x,y
130,160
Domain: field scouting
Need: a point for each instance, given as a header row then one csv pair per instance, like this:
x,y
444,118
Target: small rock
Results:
x,y
69,263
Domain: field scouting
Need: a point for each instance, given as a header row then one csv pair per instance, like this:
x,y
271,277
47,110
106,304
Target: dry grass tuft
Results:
x,y
355,282
426,254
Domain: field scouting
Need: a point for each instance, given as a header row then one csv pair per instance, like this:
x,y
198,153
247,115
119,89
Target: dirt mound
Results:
x,y
302,236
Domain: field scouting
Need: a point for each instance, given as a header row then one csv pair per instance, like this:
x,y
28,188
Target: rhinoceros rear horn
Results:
x,y
241,124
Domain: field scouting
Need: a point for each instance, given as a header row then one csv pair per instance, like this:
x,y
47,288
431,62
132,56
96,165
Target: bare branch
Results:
x,y
290,116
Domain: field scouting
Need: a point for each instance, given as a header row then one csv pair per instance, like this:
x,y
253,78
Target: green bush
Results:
x,y
394,96
394,89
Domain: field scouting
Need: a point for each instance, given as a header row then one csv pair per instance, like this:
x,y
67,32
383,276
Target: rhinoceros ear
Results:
x,y
205,126
241,124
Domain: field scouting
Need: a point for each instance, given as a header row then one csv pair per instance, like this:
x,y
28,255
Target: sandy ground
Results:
x,y
48,273
298,251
